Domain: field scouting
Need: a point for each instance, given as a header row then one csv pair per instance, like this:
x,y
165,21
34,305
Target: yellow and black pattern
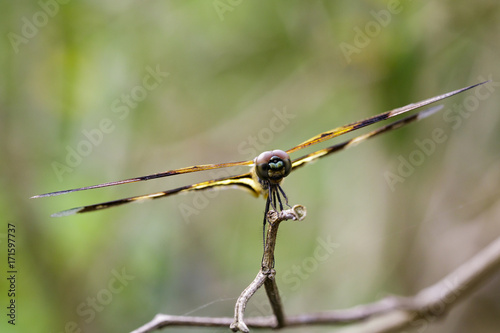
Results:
x,y
375,119
243,181
250,181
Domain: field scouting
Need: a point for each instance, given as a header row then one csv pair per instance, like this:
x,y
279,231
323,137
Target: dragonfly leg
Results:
x,y
279,200
268,201
274,193
284,196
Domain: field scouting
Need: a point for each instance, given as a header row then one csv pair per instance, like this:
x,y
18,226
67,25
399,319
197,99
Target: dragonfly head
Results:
x,y
273,165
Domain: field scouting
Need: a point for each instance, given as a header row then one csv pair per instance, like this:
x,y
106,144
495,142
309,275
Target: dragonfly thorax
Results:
x,y
273,166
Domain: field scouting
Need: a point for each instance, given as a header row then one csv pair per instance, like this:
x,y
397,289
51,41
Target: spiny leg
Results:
x,y
274,193
279,199
284,196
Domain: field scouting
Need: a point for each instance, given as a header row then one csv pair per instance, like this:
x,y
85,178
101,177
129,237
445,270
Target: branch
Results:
x,y
386,315
267,273
238,324
298,212
275,300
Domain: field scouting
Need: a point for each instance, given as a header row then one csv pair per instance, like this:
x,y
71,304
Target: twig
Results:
x,y
275,299
267,273
296,213
389,314
238,324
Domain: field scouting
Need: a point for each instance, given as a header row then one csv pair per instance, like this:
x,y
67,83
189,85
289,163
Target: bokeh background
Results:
x,y
78,106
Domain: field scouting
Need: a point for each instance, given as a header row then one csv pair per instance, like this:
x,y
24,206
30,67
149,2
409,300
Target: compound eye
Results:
x,y
273,165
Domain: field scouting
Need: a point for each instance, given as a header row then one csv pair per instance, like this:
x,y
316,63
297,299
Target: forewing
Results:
x,y
180,171
383,116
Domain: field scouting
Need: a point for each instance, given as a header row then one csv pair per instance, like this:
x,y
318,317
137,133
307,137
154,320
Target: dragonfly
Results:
x,y
269,168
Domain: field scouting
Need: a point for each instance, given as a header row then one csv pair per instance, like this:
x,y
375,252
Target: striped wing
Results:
x,y
181,171
375,119
244,181
301,161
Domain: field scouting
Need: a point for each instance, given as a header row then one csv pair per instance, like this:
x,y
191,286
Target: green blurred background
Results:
x,y
243,77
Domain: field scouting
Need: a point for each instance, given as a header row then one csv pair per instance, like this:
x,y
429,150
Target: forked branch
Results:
x,y
386,315
267,273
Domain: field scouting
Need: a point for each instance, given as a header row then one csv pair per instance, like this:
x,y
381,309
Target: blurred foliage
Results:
x,y
67,69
